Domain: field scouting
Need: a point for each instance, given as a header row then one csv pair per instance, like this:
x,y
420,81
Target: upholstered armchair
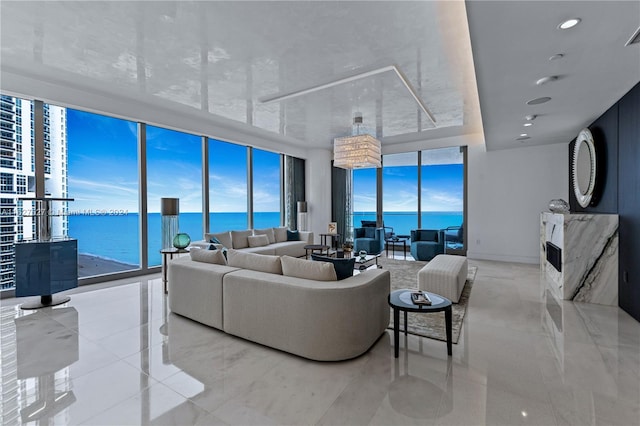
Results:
x,y
368,238
426,243
454,237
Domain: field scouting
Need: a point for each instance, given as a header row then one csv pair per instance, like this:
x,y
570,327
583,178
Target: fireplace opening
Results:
x,y
554,256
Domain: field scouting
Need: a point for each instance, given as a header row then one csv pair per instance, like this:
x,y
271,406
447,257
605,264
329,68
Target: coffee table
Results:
x,y
400,300
368,261
315,247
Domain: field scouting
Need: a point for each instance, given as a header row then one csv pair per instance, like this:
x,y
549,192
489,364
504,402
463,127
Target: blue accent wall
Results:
x,y
617,137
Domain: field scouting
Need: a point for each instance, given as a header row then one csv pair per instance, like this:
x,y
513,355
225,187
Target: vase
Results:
x,y
181,241
363,255
559,206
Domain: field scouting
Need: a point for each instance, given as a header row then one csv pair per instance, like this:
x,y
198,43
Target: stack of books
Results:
x,y
420,298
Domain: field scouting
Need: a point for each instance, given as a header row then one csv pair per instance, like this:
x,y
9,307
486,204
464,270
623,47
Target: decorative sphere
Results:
x,y
181,241
363,254
559,206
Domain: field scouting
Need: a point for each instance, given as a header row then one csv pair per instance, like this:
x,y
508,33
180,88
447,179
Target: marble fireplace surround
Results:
x,y
589,257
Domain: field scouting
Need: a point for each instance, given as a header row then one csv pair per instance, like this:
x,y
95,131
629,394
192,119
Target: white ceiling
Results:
x,y
218,60
512,42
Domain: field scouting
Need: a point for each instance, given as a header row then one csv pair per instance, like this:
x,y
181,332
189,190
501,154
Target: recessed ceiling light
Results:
x,y
522,135
530,117
556,56
527,124
547,79
538,101
569,23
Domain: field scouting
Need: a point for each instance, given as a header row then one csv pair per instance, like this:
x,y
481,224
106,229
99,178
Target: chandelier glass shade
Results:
x,y
356,152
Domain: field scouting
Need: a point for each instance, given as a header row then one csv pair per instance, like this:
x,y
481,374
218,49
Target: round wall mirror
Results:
x,y
584,167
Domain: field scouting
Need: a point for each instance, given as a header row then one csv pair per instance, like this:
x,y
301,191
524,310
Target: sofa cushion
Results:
x,y
239,238
308,269
280,234
293,235
289,248
223,237
254,262
268,249
343,267
258,240
268,232
207,256
369,232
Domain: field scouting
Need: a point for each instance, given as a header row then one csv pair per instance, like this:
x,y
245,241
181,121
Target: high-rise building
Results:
x,y
17,175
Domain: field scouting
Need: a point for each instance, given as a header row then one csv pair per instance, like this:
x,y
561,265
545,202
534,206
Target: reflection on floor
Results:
x,y
117,356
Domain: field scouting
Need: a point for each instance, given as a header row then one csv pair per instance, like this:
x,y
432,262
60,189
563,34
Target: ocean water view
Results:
x,y
116,237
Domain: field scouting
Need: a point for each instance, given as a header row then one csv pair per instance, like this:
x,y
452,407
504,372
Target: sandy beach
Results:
x,y
92,265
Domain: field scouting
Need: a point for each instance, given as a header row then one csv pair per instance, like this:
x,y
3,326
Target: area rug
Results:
x,y
404,274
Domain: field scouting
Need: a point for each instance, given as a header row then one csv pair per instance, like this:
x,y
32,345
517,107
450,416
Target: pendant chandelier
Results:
x,y
356,152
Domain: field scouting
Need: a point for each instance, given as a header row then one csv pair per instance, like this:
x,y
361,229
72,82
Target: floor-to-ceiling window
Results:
x,y
364,195
93,159
103,180
442,200
266,189
227,186
174,170
431,196
400,192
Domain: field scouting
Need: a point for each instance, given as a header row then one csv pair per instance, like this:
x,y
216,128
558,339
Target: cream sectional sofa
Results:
x,y
319,320
276,242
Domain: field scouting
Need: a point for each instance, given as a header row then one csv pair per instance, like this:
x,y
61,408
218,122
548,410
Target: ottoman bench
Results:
x,y
444,275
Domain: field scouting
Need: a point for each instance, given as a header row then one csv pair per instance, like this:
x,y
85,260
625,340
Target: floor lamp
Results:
x,y
302,216
169,209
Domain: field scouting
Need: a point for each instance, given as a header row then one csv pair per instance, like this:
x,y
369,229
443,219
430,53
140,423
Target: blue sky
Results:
x,y
103,168
103,165
103,173
442,188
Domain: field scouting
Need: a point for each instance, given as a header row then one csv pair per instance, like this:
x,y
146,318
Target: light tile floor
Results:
x,y
117,356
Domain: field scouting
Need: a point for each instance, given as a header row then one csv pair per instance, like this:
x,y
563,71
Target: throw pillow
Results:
x,y
208,256
366,223
281,234
239,239
343,267
258,240
308,269
293,235
223,237
214,240
254,262
268,232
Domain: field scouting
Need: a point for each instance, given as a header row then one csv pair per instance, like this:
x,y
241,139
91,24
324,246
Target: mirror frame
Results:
x,y
584,141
